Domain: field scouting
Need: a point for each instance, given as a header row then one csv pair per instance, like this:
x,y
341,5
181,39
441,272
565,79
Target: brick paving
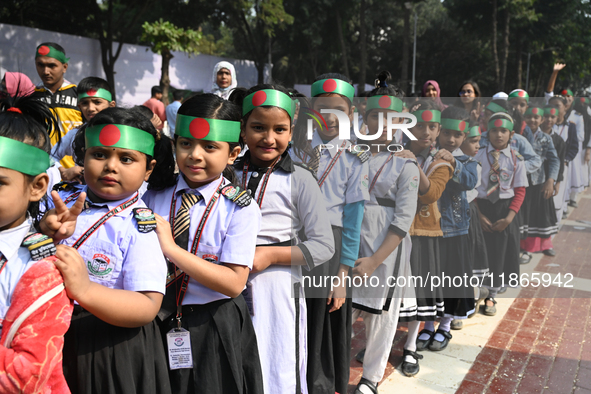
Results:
x,y
543,342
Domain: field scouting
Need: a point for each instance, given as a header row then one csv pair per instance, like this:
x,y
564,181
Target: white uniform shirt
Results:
x,y
117,254
512,172
65,147
229,236
346,183
472,194
18,262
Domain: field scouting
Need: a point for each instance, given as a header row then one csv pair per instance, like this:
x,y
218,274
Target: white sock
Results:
x,y
429,325
411,340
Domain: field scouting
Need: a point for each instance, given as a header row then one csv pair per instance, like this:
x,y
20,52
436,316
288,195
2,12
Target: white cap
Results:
x,y
500,96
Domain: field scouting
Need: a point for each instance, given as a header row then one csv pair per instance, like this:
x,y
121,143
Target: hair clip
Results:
x,y
14,109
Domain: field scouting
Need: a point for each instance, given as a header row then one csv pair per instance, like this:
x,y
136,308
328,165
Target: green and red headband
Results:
x,y
268,98
474,132
389,103
494,108
92,93
454,124
49,51
584,100
550,111
428,115
120,136
535,111
23,158
567,92
332,85
500,123
207,129
520,93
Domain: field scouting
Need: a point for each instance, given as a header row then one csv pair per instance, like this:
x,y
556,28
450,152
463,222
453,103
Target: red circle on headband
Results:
x,y
109,135
330,85
553,111
582,99
384,102
91,92
521,94
534,111
259,98
499,123
43,50
427,116
564,92
199,128
462,126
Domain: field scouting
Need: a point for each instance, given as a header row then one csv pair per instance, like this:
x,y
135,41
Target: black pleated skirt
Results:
x,y
329,334
100,358
477,247
456,264
542,219
502,247
224,347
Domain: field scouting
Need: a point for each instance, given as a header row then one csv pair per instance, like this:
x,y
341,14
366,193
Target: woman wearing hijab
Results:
x,y
431,89
16,85
224,79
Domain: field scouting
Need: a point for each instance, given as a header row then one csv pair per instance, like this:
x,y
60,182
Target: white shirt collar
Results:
x,y
506,151
11,239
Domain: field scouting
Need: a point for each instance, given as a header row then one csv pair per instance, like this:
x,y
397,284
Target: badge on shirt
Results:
x,y
363,155
414,183
505,176
237,195
40,246
179,348
100,267
365,181
146,221
494,178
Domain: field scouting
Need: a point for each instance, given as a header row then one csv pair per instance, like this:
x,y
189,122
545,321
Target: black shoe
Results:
x,y
410,369
573,203
370,385
490,310
435,345
525,258
503,290
549,252
423,344
359,356
482,296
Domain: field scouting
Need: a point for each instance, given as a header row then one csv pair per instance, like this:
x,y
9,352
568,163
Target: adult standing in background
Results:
x,y
156,105
61,96
172,109
431,89
16,85
224,79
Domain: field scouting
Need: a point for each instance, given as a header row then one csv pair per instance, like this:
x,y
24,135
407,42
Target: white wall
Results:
x,y
136,70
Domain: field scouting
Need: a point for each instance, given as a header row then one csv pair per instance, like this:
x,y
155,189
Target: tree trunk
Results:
x,y
363,48
164,78
405,49
494,45
343,46
260,65
505,47
519,64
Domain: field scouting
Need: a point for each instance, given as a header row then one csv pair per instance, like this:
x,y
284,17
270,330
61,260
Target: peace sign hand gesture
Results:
x,y
59,223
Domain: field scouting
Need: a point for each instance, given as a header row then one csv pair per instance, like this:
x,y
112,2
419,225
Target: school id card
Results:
x,y
179,349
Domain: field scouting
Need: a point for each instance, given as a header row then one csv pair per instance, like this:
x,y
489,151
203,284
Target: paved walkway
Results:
x,y
539,341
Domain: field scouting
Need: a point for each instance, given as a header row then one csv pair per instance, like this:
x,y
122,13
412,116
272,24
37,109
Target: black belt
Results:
x,y
385,202
289,242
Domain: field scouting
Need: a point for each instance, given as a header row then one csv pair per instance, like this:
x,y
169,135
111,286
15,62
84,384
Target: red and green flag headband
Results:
x,y
551,111
454,124
535,111
494,108
567,92
23,158
519,93
390,103
584,100
331,85
100,93
428,115
474,132
49,51
120,136
500,123
268,97
207,129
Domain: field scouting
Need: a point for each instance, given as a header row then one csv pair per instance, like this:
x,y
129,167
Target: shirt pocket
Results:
x,y
103,261
210,253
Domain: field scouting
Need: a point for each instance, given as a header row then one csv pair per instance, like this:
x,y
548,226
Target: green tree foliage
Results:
x,y
165,38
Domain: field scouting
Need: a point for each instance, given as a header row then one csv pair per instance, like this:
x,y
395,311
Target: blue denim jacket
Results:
x,y
544,147
532,161
453,204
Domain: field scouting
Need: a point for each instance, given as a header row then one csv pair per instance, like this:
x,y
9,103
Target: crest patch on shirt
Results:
x,y
146,221
100,267
365,181
237,195
40,246
414,183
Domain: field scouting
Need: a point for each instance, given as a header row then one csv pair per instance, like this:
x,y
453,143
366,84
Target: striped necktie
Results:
x,y
182,220
494,192
314,163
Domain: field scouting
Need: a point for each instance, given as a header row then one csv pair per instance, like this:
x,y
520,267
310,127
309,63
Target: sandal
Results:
x,y
364,382
490,310
423,344
410,369
437,346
